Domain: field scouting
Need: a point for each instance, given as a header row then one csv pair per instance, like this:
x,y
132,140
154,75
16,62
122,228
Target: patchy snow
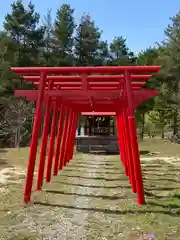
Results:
x,y
170,160
7,174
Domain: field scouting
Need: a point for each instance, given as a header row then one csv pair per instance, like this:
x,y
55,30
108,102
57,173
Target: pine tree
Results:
x,y
87,42
170,60
22,26
103,55
48,54
147,57
63,35
119,52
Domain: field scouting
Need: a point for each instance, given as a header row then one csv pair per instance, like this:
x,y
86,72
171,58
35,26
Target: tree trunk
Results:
x,y
17,138
142,123
175,127
162,133
163,124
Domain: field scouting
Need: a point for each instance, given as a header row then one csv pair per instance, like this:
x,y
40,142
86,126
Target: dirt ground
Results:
x,y
92,199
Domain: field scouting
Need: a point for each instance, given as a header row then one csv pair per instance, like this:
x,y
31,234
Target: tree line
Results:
x,y
28,39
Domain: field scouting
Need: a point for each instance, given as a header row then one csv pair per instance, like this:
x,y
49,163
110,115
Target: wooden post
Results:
x,y
63,141
134,142
44,139
67,137
128,148
75,123
34,140
59,139
52,142
120,134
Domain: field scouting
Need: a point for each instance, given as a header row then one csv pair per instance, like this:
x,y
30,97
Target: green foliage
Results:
x,y
47,54
87,42
64,28
22,26
120,53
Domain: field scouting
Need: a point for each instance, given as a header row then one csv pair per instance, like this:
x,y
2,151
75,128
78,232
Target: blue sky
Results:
x,y
142,22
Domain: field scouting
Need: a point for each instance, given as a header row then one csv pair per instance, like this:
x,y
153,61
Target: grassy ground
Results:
x,y
92,199
157,147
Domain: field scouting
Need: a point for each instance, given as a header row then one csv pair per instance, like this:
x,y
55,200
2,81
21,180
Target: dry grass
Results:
x,y
157,147
92,199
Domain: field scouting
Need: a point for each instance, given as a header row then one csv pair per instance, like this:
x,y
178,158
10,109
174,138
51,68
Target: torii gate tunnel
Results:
x,y
70,91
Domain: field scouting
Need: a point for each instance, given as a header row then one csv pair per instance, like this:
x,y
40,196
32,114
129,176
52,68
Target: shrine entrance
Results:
x,y
97,125
97,134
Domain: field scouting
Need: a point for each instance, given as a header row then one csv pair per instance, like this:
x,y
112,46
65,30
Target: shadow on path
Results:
x,y
94,186
109,211
92,178
86,195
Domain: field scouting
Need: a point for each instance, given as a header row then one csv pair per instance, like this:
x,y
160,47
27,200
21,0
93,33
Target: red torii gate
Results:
x,y
80,90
